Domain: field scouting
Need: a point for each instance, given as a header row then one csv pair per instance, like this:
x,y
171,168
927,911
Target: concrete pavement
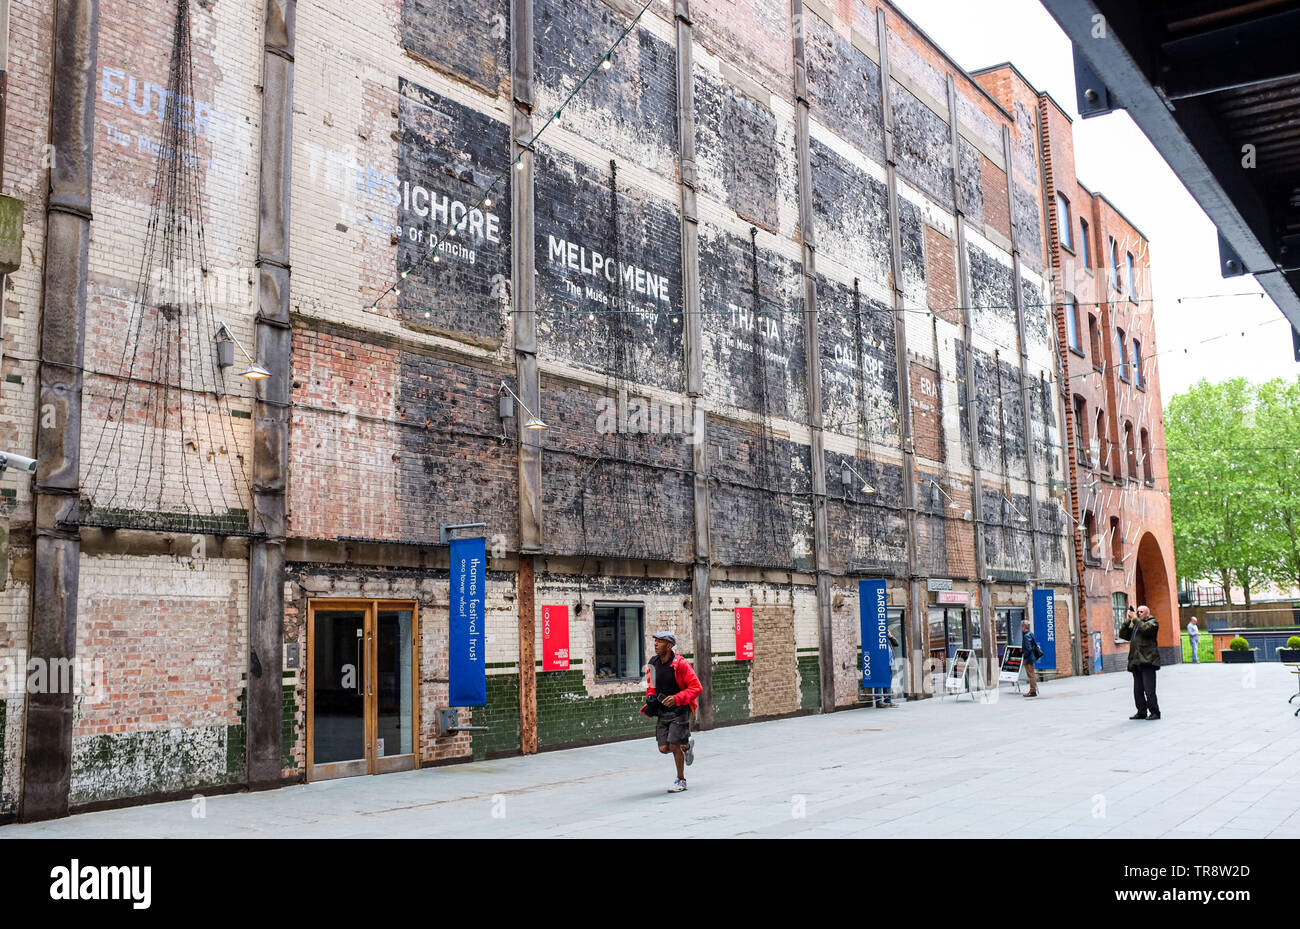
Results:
x,y
1223,762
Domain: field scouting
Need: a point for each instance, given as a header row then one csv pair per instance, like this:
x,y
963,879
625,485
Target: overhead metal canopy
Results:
x,y
1215,86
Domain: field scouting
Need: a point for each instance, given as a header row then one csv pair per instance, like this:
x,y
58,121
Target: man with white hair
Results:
x,y
1140,629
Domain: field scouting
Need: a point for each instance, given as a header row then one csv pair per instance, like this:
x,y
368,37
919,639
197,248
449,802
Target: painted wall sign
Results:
x,y
555,638
938,583
873,615
1045,627
744,633
952,596
467,674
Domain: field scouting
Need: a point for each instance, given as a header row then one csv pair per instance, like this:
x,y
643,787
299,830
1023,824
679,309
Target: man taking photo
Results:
x,y
1140,628
672,694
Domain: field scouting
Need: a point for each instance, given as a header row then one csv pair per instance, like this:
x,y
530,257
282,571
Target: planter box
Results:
x,y
1288,655
1243,657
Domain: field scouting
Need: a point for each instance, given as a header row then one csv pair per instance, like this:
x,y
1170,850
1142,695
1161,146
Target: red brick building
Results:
x,y
1119,478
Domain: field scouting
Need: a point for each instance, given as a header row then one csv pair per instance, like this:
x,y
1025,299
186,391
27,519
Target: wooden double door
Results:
x,y
363,693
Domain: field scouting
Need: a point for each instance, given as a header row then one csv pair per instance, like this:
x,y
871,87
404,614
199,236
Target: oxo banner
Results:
x,y
744,633
873,614
1045,627
555,638
467,675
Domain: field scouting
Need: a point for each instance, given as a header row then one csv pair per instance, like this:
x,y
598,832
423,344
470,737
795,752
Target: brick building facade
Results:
x,y
797,230
1101,265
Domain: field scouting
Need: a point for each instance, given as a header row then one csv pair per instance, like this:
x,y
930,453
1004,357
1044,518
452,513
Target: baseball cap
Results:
x,y
666,636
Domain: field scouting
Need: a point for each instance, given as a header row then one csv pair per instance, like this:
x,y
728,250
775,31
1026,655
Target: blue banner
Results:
x,y
873,614
1045,627
466,672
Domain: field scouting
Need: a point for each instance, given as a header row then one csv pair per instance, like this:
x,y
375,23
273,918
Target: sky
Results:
x,y
1114,158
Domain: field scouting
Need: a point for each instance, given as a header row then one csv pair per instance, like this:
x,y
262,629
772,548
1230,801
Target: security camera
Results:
x,y
11,460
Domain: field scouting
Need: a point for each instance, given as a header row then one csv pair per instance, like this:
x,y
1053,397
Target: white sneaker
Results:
x,y
678,786
690,752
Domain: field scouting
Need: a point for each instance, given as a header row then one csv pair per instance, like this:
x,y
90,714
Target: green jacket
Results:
x,y
1143,652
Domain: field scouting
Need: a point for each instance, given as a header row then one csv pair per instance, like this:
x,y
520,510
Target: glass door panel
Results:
x,y
957,637
395,717
338,688
938,634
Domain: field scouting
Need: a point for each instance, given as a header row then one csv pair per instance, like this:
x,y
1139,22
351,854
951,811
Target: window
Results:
x,y
1132,278
1094,339
1118,607
1063,220
1083,244
1103,451
1081,430
1071,310
1132,452
1121,355
1137,364
1116,541
1091,541
1114,265
620,641
1147,474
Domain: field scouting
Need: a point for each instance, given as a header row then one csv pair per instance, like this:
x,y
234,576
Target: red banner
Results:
x,y
555,638
744,633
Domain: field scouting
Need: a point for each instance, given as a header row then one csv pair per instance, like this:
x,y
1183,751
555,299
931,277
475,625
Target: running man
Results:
x,y
672,694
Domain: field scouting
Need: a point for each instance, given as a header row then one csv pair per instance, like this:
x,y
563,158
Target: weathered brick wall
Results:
x,y
167,638
390,442
617,477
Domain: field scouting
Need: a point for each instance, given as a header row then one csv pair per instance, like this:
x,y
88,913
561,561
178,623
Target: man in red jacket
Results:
x,y
672,694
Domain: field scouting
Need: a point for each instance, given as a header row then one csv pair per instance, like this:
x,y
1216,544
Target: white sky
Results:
x,y
1114,158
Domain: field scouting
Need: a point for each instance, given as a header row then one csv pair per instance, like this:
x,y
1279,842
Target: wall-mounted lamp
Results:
x,y
226,355
846,479
952,504
506,407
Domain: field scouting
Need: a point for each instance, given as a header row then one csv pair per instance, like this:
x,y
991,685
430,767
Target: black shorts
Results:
x,y
673,728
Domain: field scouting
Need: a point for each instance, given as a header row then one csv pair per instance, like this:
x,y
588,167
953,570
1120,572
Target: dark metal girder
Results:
x,y
1241,55
1189,136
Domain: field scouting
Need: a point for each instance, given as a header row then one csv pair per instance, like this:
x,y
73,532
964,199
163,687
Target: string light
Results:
x,y
608,62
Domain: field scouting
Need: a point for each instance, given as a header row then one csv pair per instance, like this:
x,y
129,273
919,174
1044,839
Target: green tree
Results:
x,y
1277,425
1222,515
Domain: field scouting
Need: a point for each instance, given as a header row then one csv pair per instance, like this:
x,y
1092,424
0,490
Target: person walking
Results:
x,y
672,694
1139,629
1030,652
1194,634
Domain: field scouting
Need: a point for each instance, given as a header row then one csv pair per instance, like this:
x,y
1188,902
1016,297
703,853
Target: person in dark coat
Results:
x,y
1140,629
1029,658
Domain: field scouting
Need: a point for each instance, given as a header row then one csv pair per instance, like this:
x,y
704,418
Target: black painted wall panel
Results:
x,y
753,348
608,277
447,155
469,38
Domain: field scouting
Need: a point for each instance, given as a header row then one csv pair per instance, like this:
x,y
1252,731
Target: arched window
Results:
x,y
1148,473
1132,452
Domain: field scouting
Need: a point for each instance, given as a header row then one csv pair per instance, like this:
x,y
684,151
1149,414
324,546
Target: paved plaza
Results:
x,y
1223,762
